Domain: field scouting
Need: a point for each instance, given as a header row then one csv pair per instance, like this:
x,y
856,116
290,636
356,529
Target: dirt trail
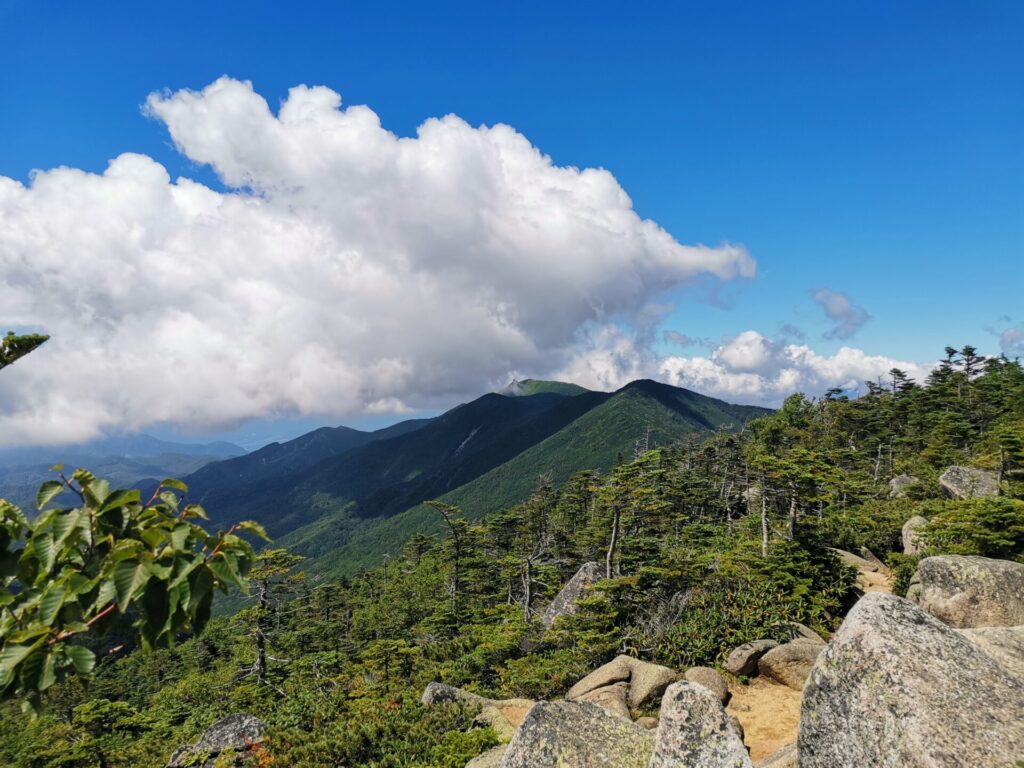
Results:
x,y
769,713
874,581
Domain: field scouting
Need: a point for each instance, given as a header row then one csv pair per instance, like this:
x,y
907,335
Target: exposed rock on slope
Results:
x,y
559,734
695,731
710,679
565,601
897,687
968,483
899,485
912,541
967,591
224,743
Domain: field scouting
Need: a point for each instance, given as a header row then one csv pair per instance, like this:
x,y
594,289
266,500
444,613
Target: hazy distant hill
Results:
x,y
348,496
124,461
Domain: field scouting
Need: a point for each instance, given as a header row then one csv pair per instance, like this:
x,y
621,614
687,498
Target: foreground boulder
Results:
x,y
558,734
1004,644
790,663
225,743
794,630
743,660
968,483
564,603
694,730
897,687
913,542
503,715
968,591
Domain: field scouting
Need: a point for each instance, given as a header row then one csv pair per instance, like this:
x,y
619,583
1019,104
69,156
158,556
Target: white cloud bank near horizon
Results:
x,y
346,270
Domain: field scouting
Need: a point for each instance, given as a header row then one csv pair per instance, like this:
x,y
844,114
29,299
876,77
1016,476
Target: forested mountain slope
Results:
x,y
706,544
353,497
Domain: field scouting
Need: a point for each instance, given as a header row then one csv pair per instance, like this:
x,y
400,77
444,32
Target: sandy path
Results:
x,y
769,713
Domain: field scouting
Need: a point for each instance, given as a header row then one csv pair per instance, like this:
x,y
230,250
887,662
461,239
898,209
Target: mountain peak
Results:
x,y
528,387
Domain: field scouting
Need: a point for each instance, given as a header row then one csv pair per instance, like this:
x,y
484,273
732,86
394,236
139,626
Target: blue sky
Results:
x,y
872,149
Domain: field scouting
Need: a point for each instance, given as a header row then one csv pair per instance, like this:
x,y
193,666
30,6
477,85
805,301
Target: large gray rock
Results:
x,y
786,757
968,483
897,688
968,591
900,484
560,734
710,679
225,742
694,730
1004,644
913,543
791,663
743,660
564,603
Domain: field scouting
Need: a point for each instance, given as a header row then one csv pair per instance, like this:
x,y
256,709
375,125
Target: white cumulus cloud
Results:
x,y
752,368
344,270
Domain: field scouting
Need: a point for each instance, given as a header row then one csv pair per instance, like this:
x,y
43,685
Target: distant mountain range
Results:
x,y
124,461
345,497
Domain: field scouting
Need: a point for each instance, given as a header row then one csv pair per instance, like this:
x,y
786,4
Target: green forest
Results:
x,y
705,542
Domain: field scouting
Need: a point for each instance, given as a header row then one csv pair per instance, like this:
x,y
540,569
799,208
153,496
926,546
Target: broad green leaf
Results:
x,y
82,658
47,492
65,522
176,485
251,526
226,570
50,603
43,548
10,657
47,677
120,499
129,577
185,570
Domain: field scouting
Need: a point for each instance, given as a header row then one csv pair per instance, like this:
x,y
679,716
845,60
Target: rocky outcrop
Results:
x,y
611,698
913,543
645,680
967,591
557,734
1004,644
440,693
743,660
791,663
968,483
897,687
710,679
565,601
650,723
854,561
787,757
694,730
225,743
900,484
